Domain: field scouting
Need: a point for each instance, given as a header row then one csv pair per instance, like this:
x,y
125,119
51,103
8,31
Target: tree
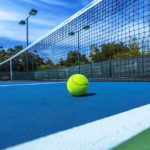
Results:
x,y
41,67
112,51
95,54
3,55
134,49
83,59
72,59
62,62
49,63
39,63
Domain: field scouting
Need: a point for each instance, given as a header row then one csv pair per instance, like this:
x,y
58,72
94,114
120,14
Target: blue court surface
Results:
x,y
32,110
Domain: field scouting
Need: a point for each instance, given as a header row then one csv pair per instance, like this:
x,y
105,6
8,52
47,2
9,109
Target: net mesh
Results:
x,y
106,39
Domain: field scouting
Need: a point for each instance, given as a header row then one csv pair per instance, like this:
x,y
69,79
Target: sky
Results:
x,y
50,14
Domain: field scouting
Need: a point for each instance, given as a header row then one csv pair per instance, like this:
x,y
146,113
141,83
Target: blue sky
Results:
x,y
50,14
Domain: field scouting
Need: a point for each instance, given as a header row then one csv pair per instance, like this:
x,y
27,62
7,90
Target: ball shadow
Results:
x,y
89,94
86,95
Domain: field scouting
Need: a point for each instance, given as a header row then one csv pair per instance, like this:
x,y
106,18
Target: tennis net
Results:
x,y
106,39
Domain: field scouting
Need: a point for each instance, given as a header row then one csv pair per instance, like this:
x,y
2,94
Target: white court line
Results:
x,y
99,135
31,84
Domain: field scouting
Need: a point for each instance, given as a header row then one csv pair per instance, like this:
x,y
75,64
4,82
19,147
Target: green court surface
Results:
x,y
139,142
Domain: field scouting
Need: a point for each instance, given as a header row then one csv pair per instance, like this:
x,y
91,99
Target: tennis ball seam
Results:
x,y
78,84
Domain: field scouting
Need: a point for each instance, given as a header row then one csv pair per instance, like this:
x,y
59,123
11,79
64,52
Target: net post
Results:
x,y
11,75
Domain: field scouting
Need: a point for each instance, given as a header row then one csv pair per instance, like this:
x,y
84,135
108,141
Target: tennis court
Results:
x,y
43,115
104,41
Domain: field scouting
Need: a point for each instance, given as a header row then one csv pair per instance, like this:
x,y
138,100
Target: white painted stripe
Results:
x,y
100,135
30,84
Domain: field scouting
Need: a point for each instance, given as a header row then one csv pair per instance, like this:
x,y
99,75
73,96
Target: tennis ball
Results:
x,y
77,85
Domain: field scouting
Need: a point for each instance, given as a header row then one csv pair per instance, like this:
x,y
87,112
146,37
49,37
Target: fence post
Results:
x,y
11,75
48,74
57,73
32,66
65,77
110,70
91,69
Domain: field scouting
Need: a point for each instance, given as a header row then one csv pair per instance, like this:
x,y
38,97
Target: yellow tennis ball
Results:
x,y
77,85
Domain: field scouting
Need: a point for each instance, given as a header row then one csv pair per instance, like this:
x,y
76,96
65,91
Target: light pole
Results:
x,y
33,12
78,32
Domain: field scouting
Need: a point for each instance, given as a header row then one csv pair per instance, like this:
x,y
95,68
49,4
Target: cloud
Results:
x,y
33,2
55,2
11,16
16,32
14,16
85,2
44,22
43,3
38,25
